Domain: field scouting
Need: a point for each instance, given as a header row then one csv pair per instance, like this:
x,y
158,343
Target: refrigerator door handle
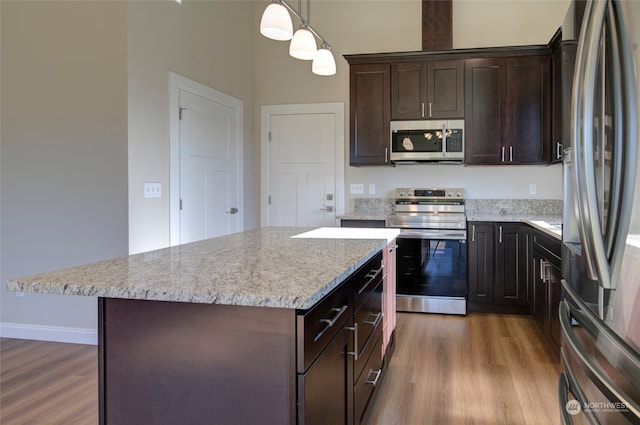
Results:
x,y
582,123
596,371
593,322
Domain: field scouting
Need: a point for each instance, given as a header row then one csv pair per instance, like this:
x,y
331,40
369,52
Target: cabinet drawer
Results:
x,y
368,322
317,326
366,279
549,246
372,345
366,383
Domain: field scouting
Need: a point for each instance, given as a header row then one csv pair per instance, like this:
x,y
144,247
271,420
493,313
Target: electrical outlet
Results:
x,y
356,188
533,189
152,190
372,189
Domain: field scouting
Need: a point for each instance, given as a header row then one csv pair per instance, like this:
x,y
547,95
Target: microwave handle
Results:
x,y
444,138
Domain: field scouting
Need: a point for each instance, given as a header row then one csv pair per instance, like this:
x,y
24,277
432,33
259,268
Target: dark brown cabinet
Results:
x,y
427,90
369,95
546,276
498,273
557,113
507,110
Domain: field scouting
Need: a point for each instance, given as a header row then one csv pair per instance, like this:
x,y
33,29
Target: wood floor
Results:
x,y
446,370
480,369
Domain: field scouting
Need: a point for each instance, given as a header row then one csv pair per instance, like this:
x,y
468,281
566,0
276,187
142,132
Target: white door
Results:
x,y
304,150
208,186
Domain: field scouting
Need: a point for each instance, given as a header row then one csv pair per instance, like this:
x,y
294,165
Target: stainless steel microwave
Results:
x,y
427,141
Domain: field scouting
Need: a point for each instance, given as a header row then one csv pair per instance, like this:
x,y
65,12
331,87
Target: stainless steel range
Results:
x,y
432,252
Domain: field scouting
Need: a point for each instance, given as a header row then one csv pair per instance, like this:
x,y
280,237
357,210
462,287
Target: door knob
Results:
x,y
232,210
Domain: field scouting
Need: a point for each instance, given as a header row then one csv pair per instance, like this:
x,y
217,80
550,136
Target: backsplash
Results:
x,y
542,207
473,207
374,206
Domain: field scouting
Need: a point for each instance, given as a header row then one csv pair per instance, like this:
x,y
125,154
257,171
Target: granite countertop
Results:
x,y
264,267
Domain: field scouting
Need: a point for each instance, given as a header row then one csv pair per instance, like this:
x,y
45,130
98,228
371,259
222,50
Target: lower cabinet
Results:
x,y
547,289
498,269
339,360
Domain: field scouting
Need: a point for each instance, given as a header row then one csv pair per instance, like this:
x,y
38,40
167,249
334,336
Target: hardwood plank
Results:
x,y
480,369
45,383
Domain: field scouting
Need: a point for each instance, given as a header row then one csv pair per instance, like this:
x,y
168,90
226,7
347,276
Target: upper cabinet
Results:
x,y
427,90
504,95
508,110
370,90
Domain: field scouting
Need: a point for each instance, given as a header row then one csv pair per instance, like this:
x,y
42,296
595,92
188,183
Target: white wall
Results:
x,y
210,42
64,152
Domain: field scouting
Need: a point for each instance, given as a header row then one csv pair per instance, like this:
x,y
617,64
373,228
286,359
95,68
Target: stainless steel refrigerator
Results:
x,y
600,310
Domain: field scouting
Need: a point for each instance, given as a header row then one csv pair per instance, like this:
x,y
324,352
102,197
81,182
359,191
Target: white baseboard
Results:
x,y
49,333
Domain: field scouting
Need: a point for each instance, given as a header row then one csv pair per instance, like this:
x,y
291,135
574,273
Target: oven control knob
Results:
x,y
450,194
401,193
459,194
409,193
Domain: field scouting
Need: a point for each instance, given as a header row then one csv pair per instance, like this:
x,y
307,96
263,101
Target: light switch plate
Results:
x,y
356,188
533,189
152,190
372,189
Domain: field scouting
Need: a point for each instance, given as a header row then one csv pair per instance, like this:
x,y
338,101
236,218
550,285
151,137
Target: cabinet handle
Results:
x,y
473,233
375,380
354,353
558,150
422,109
375,322
510,153
502,153
500,234
330,322
430,112
372,275
386,154
542,271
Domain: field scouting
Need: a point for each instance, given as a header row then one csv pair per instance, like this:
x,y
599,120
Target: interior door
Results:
x,y
208,168
301,160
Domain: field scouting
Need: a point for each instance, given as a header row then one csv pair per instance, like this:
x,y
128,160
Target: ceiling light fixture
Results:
x,y
276,25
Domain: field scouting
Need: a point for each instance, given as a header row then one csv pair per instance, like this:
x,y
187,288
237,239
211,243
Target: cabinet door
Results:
x,y
369,114
556,105
555,294
540,311
528,108
480,263
408,90
485,115
512,260
445,89
325,388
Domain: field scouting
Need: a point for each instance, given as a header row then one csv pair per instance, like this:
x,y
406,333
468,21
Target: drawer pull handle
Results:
x,y
374,322
372,275
375,380
354,353
330,322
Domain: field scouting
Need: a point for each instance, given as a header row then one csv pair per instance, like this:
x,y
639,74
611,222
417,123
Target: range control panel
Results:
x,y
432,194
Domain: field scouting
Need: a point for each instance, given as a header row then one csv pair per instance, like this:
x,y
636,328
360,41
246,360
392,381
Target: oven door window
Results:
x,y
431,267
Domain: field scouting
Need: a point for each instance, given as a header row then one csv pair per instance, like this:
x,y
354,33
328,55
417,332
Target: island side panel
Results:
x,y
169,363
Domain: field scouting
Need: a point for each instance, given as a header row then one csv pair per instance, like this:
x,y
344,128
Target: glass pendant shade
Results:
x,y
303,45
276,23
324,63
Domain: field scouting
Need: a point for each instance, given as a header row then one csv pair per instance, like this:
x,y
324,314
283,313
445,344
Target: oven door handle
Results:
x,y
433,234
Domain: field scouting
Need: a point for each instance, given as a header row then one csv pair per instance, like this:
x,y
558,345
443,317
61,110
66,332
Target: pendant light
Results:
x,y
303,44
276,23
324,63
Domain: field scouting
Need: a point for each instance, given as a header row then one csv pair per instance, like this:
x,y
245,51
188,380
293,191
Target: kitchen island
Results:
x,y
232,330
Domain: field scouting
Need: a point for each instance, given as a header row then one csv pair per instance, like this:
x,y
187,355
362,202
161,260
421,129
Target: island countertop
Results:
x,y
265,267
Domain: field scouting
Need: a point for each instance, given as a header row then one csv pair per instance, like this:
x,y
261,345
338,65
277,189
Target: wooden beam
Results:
x,y
437,25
